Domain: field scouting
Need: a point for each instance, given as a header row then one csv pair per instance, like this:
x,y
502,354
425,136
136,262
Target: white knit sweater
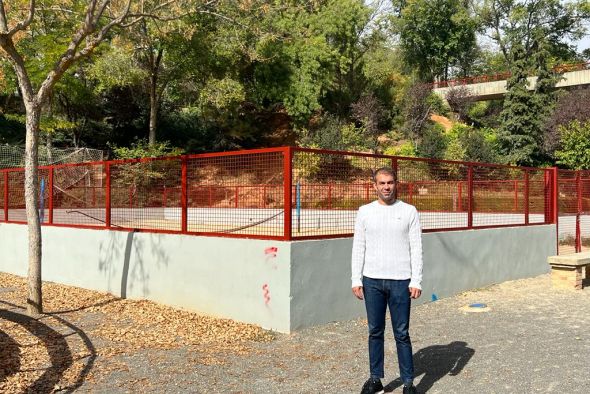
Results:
x,y
387,243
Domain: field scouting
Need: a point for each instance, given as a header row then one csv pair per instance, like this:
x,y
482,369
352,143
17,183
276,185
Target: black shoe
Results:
x,y
372,386
411,389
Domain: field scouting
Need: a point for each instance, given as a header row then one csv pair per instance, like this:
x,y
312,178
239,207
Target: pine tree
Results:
x,y
525,111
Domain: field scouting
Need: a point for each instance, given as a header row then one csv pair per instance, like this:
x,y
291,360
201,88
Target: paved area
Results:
x,y
531,338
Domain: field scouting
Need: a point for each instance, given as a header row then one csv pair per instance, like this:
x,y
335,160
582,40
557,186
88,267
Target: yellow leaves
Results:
x,y
114,326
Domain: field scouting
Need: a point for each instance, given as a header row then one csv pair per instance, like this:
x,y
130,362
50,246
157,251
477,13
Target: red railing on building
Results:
x,y
562,68
278,193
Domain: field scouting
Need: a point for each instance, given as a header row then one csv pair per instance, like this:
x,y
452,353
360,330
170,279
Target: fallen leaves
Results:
x,y
83,332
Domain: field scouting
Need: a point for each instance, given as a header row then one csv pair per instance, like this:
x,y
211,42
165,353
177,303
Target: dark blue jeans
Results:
x,y
379,293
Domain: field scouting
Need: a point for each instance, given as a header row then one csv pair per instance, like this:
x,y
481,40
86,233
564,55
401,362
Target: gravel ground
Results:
x,y
531,338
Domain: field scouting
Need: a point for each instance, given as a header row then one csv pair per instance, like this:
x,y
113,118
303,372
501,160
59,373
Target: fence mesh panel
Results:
x,y
328,189
568,207
138,200
498,196
437,189
243,193
236,194
539,196
79,195
16,196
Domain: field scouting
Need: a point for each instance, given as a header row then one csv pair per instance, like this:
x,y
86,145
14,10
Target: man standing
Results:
x,y
387,271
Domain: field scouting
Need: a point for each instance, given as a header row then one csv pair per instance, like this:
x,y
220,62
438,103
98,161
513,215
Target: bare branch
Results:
x,y
24,24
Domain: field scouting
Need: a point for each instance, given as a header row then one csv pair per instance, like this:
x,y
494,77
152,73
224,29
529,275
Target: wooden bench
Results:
x,y
570,271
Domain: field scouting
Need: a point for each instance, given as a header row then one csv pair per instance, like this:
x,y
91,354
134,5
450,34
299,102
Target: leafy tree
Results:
x,y
466,143
512,23
574,152
571,106
82,26
436,36
433,143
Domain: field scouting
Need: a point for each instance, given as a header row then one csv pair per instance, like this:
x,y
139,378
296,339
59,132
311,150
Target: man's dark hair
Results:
x,y
384,170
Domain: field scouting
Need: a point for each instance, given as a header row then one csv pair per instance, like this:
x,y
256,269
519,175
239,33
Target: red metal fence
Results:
x,y
574,211
286,193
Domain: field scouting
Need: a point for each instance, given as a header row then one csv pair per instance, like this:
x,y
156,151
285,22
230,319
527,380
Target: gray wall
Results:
x,y
454,261
308,282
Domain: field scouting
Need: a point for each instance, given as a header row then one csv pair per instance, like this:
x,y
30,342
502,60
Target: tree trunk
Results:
x,y
154,99
153,111
34,300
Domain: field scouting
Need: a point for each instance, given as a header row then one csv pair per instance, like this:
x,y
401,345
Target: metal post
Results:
x,y
579,211
183,196
50,202
555,205
107,215
470,197
547,196
515,196
526,196
287,192
460,196
5,196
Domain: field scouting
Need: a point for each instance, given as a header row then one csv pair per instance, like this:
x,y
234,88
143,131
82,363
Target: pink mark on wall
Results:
x,y
272,251
271,254
266,293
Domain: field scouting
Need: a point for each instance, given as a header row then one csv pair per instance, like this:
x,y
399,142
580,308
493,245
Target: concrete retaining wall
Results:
x,y
279,285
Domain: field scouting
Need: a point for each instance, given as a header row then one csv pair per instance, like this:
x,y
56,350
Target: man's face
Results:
x,y
386,188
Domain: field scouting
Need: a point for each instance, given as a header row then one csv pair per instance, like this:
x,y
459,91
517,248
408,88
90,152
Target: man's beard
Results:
x,y
388,199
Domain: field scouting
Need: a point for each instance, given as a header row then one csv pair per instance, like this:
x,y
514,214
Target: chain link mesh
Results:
x,y
243,193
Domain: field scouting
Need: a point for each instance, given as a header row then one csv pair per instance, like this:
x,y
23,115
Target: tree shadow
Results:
x,y
435,362
133,248
9,356
57,348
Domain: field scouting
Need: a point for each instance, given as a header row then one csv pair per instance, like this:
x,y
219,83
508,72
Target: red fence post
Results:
x,y
460,196
555,204
130,196
287,192
579,211
526,197
183,196
470,196
50,202
5,196
515,196
547,196
107,214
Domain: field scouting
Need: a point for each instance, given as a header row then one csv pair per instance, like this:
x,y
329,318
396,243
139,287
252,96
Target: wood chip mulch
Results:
x,y
82,333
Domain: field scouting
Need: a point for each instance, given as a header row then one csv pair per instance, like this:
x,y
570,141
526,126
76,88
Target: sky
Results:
x,y
584,43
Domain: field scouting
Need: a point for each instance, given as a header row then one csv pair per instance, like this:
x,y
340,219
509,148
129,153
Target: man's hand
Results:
x,y
358,292
414,292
